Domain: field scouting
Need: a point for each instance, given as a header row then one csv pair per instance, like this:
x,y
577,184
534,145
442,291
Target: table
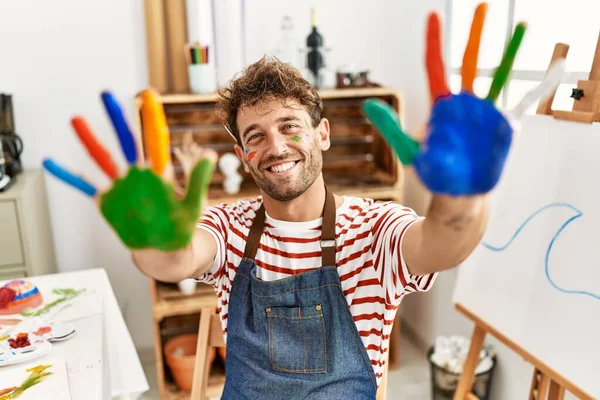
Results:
x,y
101,359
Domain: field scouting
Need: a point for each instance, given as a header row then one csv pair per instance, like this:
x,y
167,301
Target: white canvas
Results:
x,y
535,276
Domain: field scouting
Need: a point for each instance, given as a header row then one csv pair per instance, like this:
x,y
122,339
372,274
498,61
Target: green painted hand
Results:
x,y
146,213
142,207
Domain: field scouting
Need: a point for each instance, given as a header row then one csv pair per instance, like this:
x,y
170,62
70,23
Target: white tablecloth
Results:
x,y
101,359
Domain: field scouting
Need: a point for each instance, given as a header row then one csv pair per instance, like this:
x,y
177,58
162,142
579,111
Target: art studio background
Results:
x,y
59,55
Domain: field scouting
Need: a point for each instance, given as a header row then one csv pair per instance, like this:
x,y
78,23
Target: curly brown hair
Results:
x,y
267,79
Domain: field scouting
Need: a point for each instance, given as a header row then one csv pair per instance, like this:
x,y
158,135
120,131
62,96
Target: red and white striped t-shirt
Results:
x,y
373,273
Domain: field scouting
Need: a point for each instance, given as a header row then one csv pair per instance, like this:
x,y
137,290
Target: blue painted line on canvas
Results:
x,y
577,215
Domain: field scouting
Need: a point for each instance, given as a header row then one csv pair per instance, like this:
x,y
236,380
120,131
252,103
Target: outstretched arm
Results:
x,y
190,262
463,157
142,206
454,224
445,238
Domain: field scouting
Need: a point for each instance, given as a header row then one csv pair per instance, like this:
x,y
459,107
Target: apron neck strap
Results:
x,y
328,230
327,242
255,233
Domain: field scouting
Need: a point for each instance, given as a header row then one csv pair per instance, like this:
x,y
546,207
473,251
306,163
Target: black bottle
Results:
x,y
314,42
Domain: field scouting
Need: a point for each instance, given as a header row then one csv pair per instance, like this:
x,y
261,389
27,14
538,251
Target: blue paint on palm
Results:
x,y
467,146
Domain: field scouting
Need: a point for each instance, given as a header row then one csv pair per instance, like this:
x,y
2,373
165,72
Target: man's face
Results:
x,y
280,148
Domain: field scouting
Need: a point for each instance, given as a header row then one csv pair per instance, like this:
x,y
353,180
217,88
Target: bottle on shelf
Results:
x,y
314,57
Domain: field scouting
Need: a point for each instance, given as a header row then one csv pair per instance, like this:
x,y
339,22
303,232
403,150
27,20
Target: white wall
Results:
x,y
357,31
57,56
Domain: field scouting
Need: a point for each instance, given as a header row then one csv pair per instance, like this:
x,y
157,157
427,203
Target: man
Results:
x,y
308,282
294,321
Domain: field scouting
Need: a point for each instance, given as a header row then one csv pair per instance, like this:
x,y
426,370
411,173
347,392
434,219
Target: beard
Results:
x,y
288,188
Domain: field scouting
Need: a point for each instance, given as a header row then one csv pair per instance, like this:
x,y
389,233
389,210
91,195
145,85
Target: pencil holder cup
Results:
x,y
203,78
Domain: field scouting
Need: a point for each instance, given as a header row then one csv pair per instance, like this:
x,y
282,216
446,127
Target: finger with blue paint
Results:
x,y
115,112
69,178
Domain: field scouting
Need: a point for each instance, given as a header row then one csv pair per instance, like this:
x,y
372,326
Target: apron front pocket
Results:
x,y
297,341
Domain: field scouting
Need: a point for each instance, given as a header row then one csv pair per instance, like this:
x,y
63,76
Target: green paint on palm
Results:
x,y
296,138
145,212
503,71
385,119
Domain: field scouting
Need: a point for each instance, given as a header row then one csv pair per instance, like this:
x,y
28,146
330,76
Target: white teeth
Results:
x,y
283,167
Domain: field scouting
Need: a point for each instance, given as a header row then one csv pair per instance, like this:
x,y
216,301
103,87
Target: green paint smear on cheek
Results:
x,y
145,212
296,138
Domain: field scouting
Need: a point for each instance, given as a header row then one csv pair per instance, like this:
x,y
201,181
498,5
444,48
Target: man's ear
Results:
x,y
323,132
239,152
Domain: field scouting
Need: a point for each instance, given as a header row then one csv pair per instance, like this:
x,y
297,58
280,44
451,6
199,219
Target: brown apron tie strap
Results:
x,y
327,242
255,233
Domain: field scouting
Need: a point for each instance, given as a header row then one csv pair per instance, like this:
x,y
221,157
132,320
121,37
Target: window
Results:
x,y
574,22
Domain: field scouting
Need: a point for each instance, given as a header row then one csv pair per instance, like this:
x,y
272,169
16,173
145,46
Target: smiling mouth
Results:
x,y
281,168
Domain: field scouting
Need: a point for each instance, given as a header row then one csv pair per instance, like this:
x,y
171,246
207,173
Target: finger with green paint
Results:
x,y
142,206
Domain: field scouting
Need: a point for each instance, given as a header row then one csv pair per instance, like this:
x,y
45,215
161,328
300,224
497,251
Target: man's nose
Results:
x,y
277,144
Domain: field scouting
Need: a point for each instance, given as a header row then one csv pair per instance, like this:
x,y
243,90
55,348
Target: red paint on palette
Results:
x,y
20,341
42,330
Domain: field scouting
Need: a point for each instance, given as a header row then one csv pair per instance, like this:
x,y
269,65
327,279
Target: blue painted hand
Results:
x,y
469,138
466,148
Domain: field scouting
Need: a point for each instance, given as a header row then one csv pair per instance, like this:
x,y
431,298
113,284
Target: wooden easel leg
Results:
x,y
557,392
539,385
466,380
202,364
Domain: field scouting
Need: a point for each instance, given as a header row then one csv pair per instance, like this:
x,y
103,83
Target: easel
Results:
x,y
586,106
546,383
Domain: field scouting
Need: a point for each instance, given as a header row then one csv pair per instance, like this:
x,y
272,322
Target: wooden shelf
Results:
x,y
186,98
171,302
214,390
169,291
359,161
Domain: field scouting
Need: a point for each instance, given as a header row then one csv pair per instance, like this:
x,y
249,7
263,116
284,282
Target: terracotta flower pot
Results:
x,y
181,362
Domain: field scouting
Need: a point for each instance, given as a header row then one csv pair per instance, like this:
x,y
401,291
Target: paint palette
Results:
x,y
61,331
36,335
9,356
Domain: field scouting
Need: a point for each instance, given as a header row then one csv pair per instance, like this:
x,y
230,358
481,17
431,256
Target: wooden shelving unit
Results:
x,y
359,163
173,313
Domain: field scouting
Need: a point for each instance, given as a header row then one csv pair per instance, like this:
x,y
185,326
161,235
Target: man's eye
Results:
x,y
290,126
253,136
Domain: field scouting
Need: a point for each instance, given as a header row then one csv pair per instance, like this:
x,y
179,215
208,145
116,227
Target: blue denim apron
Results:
x,y
294,338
